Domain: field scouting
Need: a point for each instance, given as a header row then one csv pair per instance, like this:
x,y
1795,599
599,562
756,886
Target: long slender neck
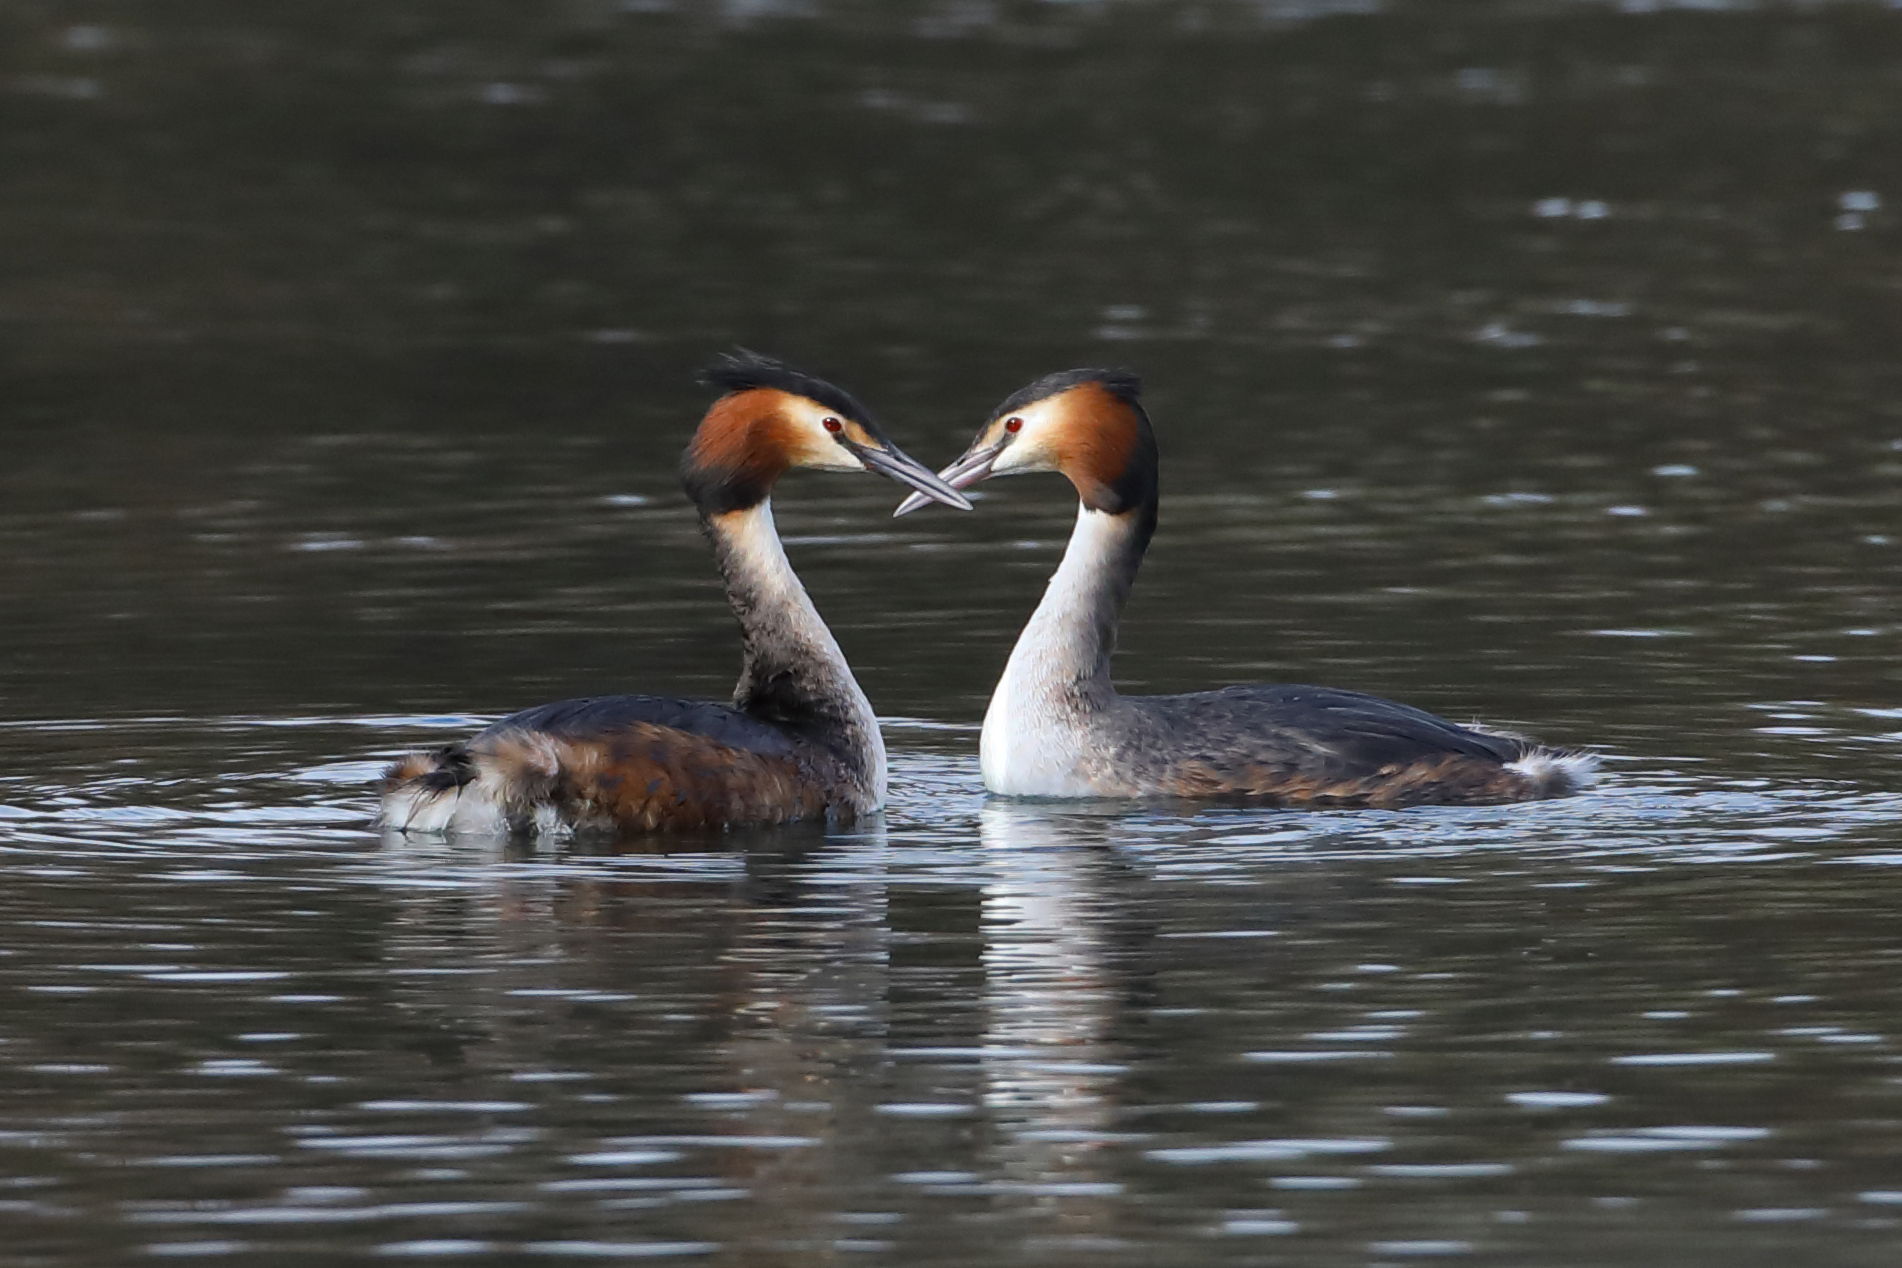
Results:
x,y
1063,656
793,672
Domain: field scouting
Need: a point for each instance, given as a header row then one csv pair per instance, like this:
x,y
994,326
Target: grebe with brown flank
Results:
x,y
799,740
1057,726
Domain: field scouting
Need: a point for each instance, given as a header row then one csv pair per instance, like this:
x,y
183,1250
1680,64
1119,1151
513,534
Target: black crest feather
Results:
x,y
742,370
1119,383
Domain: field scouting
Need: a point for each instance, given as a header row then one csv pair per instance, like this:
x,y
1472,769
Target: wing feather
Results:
x,y
649,762
597,716
1320,745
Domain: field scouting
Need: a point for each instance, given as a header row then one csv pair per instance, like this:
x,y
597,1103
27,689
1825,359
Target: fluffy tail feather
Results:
x,y
423,791
1555,772
497,782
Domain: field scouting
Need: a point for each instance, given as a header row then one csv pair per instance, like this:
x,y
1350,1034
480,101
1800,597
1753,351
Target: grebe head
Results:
x,y
1087,424
773,418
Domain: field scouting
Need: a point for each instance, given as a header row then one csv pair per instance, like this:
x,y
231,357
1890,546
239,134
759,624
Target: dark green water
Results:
x,y
1526,361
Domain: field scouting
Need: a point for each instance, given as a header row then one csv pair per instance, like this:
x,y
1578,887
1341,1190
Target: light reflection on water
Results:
x,y
1533,363
1037,1030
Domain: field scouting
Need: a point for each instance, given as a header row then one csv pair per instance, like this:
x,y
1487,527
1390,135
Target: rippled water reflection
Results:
x,y
1656,1019
1532,362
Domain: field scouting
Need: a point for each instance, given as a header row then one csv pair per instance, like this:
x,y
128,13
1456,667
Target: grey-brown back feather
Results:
x,y
591,717
1341,728
1292,736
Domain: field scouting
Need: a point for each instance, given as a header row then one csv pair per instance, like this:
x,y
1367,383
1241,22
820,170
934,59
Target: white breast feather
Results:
x,y
1034,742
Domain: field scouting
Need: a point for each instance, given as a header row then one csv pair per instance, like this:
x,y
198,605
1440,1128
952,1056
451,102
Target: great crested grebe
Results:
x,y
1057,727
799,741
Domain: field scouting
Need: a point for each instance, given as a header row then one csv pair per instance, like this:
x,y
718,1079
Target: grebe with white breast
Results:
x,y
1057,727
799,741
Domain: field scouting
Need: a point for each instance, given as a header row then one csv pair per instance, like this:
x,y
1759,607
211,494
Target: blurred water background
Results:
x,y
1527,360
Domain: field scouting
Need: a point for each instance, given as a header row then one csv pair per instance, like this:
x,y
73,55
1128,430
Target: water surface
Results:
x,y
1531,362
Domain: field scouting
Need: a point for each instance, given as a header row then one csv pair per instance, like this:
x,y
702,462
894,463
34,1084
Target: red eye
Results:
x,y
832,425
1013,424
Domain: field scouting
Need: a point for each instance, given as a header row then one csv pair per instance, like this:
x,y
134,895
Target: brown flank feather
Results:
x,y
1450,780
646,777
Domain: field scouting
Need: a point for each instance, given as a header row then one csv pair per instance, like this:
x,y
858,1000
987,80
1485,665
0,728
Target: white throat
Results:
x,y
1036,731
781,623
